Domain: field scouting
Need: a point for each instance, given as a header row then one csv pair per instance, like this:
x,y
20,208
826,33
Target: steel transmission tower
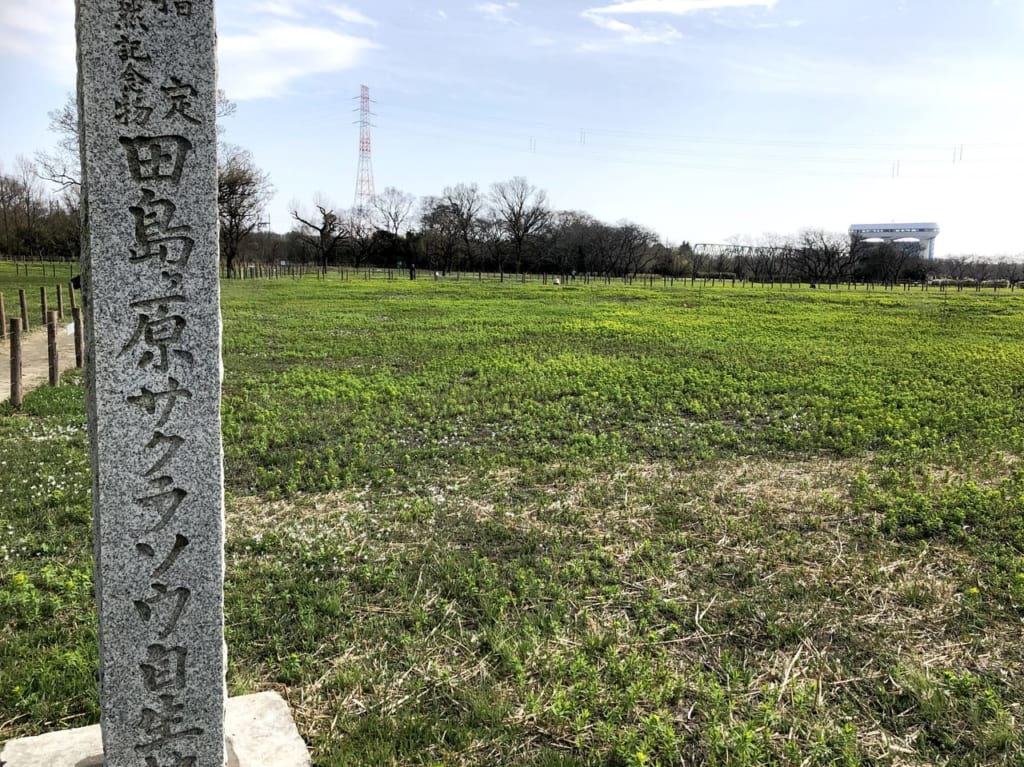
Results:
x,y
364,176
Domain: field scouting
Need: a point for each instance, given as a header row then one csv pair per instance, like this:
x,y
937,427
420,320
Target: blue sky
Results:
x,y
703,119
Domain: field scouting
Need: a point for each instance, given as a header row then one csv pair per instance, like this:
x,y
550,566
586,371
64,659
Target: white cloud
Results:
x,y
301,9
265,49
44,32
665,34
350,15
277,44
791,24
283,8
679,7
629,34
610,24
497,11
266,63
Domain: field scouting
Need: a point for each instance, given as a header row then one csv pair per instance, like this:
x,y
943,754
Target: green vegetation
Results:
x,y
486,524
30,277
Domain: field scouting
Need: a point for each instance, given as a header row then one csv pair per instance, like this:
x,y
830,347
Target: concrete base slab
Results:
x,y
259,729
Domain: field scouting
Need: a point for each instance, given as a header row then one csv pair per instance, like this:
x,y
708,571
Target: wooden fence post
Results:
x,y
42,303
3,318
76,316
60,302
51,347
24,309
71,294
15,331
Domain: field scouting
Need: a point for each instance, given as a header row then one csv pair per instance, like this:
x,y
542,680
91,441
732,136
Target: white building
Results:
x,y
923,234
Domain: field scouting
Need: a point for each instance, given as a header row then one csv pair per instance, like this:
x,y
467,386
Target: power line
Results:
x,y
757,163
586,132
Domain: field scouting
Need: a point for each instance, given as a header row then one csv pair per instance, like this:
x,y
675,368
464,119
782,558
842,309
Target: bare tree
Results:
x,y
491,238
605,254
33,222
465,203
1009,269
633,243
883,262
822,256
30,193
440,229
957,267
243,191
10,206
570,232
523,210
322,232
698,261
62,166
394,207
29,205
225,107
980,269
772,257
357,234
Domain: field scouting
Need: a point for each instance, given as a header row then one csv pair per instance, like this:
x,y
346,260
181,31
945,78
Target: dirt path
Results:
x,y
35,367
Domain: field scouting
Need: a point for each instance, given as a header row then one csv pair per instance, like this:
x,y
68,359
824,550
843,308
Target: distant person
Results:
x,y
412,271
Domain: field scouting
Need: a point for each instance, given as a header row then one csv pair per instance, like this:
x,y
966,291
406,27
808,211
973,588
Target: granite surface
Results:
x,y
147,96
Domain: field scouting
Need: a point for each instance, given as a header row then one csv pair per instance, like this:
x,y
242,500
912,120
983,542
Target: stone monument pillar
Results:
x,y
147,95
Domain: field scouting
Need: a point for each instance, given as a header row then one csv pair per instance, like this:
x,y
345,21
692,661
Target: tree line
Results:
x,y
40,200
34,221
510,227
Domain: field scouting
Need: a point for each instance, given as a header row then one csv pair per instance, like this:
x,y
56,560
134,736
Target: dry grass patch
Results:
x,y
675,613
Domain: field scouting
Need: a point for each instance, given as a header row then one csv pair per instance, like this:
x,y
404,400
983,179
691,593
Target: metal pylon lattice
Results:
x,y
364,176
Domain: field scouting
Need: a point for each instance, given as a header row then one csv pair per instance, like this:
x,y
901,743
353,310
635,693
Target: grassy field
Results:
x,y
31,277
584,525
